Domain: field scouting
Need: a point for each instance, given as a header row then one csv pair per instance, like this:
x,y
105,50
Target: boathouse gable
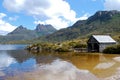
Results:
x,y
97,43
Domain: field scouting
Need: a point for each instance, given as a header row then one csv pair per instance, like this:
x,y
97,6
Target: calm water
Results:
x,y
18,64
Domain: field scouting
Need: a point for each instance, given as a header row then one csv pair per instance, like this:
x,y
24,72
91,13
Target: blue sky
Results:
x,y
59,13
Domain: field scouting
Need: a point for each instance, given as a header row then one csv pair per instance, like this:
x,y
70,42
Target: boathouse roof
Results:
x,y
104,39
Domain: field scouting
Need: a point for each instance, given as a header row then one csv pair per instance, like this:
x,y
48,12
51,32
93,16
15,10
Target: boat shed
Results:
x,y
97,43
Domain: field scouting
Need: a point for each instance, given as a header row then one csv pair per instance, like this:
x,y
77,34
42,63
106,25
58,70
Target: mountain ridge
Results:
x,y
22,33
102,22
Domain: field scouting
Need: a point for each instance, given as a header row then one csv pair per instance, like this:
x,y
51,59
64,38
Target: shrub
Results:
x,y
62,49
80,46
112,49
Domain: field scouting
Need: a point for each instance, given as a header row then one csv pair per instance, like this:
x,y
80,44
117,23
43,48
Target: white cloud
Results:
x,y
2,15
55,12
14,5
57,22
84,17
112,4
6,60
14,18
3,32
5,26
61,23
57,70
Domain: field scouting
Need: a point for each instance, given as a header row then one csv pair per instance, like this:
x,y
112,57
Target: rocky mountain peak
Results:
x,y
19,29
45,28
110,13
20,26
40,27
102,15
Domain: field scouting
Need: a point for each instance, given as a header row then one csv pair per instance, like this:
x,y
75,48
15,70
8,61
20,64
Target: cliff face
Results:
x,y
44,29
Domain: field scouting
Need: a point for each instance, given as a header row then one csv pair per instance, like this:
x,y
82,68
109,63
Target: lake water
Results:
x,y
19,64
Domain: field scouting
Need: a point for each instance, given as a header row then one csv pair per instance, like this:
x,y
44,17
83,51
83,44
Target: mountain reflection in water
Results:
x,y
18,63
57,70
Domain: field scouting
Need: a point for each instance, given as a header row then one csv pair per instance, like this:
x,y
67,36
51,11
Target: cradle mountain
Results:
x,y
102,22
22,33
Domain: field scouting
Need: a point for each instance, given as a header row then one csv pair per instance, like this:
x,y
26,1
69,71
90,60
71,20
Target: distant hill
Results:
x,y
102,22
22,33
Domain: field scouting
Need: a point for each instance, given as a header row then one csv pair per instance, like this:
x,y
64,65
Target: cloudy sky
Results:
x,y
59,13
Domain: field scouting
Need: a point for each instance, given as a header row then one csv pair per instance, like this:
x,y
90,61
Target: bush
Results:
x,y
62,49
80,46
112,49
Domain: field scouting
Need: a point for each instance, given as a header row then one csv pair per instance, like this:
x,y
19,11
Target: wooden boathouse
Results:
x,y
97,43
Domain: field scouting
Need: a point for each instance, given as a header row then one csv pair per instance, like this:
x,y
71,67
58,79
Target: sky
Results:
x,y
59,13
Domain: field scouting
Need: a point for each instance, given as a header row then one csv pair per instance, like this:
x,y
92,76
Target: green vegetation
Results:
x,y
115,49
58,47
117,37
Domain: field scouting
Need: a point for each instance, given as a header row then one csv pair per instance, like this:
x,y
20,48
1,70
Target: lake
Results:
x,y
19,64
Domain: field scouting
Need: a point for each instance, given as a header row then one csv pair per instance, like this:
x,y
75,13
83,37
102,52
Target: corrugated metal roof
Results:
x,y
104,39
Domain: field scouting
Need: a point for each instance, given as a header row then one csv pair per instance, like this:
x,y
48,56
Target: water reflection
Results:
x,y
5,60
116,59
12,47
18,63
45,59
102,65
57,70
12,62
19,55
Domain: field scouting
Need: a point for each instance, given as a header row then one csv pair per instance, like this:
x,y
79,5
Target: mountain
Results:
x,y
22,33
19,30
102,22
44,29
102,16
